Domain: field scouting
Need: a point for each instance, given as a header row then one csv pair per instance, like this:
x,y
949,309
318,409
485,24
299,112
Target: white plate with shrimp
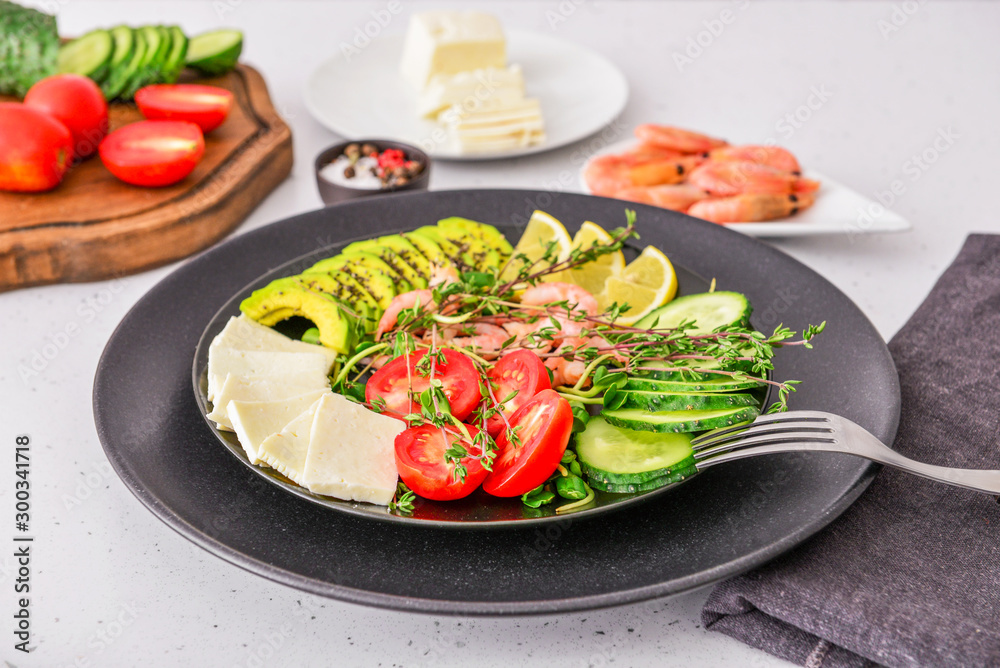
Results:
x,y
831,208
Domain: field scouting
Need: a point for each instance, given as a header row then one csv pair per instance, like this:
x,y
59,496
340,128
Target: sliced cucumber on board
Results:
x,y
679,421
709,310
121,60
89,55
175,58
215,52
611,455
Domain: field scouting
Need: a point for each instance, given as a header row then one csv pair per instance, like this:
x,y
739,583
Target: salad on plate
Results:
x,y
440,361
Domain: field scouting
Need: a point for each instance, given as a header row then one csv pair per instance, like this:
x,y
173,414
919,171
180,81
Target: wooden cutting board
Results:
x,y
93,226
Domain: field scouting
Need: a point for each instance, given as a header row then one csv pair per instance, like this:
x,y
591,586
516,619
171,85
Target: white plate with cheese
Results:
x,y
363,95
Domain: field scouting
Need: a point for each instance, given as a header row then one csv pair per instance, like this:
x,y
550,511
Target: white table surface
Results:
x,y
113,586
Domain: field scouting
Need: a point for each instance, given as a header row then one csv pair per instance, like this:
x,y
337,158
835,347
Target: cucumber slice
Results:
x,y
655,483
89,55
215,52
127,51
609,454
708,384
149,68
175,57
679,421
709,310
701,401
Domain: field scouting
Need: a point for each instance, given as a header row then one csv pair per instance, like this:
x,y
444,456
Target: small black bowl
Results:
x,y
334,193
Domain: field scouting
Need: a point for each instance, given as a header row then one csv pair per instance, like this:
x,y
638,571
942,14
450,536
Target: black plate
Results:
x,y
479,510
723,522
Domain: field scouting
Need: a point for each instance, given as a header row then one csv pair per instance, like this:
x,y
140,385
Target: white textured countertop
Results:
x,y
859,91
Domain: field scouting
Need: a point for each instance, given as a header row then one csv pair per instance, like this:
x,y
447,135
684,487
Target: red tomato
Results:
x,y
546,422
521,370
205,106
421,464
153,153
78,103
35,149
394,382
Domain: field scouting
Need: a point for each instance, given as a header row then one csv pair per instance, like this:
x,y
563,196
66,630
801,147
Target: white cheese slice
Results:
x,y
255,421
286,451
494,126
446,42
472,89
255,364
242,388
243,333
351,453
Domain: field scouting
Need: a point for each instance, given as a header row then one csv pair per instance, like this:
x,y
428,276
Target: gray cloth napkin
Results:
x,y
910,574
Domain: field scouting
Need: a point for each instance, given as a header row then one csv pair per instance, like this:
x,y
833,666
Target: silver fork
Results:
x,y
802,431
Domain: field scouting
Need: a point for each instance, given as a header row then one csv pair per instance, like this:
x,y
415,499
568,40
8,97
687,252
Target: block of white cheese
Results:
x,y
243,333
447,42
471,89
286,451
255,421
258,365
494,126
242,388
351,453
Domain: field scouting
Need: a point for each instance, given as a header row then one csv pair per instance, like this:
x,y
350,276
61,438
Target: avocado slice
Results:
x,y
480,231
379,279
477,253
398,253
455,253
346,290
286,297
429,248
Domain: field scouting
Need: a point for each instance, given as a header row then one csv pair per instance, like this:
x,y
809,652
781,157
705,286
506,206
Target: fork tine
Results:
x,y
762,420
767,429
764,439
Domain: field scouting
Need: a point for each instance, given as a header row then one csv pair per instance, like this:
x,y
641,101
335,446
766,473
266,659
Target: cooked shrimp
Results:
x,y
676,139
442,274
664,171
734,178
651,152
564,371
548,293
479,336
772,156
606,174
398,304
750,207
675,196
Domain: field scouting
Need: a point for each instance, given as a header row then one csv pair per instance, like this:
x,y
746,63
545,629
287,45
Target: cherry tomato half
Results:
x,y
523,371
35,149
399,381
546,422
205,106
422,466
153,153
76,102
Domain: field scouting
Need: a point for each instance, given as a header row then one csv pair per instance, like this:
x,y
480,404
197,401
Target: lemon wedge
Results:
x,y
593,276
647,283
542,230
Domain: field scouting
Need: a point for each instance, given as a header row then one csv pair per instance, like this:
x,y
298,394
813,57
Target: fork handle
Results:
x,y
975,479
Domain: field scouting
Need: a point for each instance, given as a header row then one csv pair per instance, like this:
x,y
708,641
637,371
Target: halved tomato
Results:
x,y
522,371
422,466
205,106
153,153
546,422
399,382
